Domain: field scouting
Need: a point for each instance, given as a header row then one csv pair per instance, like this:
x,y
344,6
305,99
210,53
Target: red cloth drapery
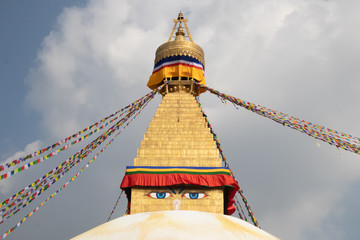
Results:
x,y
165,179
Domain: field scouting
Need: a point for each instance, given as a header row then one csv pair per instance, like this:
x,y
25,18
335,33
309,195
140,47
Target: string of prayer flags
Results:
x,y
134,112
112,212
60,174
59,143
251,214
218,145
241,209
333,137
4,235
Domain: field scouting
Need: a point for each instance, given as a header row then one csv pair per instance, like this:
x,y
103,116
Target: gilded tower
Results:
x,y
178,165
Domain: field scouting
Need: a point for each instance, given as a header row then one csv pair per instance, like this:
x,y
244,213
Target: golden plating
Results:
x,y
180,48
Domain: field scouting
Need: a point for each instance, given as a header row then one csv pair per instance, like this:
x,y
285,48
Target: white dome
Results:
x,y
175,225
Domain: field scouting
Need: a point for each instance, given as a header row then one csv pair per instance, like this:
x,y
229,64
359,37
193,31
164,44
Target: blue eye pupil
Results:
x,y
160,195
193,195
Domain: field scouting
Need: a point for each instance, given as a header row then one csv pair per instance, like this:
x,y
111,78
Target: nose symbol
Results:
x,y
176,204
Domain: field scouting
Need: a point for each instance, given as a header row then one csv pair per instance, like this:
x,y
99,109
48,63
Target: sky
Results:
x,y
67,64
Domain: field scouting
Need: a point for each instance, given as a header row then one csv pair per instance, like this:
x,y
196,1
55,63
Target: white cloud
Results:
x,y
93,53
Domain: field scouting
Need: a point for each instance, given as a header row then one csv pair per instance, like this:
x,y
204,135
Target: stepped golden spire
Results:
x,y
178,142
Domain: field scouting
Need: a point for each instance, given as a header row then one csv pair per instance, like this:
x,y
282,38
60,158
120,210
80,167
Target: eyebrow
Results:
x,y
172,190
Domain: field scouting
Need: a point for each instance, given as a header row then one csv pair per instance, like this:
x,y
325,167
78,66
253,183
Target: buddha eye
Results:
x,y
194,195
159,195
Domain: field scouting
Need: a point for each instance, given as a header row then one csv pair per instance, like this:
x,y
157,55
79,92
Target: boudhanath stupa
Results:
x,y
177,186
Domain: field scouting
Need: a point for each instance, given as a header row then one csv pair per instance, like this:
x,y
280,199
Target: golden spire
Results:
x,y
178,136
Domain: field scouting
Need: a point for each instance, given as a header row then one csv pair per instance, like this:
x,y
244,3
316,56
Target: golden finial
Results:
x,y
180,16
180,35
178,48
180,20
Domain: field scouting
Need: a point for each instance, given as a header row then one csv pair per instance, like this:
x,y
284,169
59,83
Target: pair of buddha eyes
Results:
x,y
188,195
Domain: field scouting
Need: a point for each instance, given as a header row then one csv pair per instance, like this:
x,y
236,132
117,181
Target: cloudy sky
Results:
x,y
67,64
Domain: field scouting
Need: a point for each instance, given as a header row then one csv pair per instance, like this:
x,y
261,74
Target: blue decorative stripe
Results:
x,y
174,58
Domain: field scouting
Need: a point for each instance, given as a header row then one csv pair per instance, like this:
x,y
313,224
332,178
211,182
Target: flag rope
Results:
x,y
88,149
80,154
37,161
59,143
218,145
43,183
53,178
333,137
115,205
152,94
